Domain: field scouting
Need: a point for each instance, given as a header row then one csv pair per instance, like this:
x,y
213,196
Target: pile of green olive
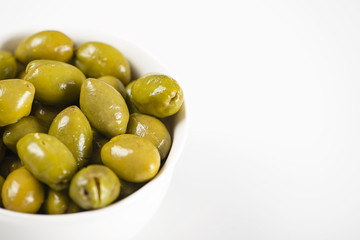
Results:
x,y
77,131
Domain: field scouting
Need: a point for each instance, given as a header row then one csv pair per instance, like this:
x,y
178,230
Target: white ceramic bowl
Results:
x,y
123,219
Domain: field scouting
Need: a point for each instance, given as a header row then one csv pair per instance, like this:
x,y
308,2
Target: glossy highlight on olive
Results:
x,y
22,192
73,129
50,44
152,129
56,83
16,98
132,158
98,59
156,94
48,159
105,107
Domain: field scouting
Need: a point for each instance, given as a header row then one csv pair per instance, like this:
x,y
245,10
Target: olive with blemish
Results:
x,y
94,186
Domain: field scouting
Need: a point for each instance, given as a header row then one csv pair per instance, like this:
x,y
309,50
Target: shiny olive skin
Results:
x,y
44,112
16,98
132,158
115,83
52,45
22,192
99,141
8,65
9,164
152,129
48,159
59,202
94,186
15,131
98,59
56,83
72,128
105,108
157,95
56,202
2,180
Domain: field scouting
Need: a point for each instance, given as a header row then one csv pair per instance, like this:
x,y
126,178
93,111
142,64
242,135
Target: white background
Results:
x,y
272,92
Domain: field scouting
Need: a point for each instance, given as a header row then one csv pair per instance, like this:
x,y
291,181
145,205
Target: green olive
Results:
x,y
132,158
2,147
128,188
9,164
56,202
115,83
99,141
94,186
8,65
152,129
53,45
44,112
22,192
104,107
56,83
48,159
132,108
2,180
59,202
16,98
72,207
98,59
15,131
72,128
157,95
